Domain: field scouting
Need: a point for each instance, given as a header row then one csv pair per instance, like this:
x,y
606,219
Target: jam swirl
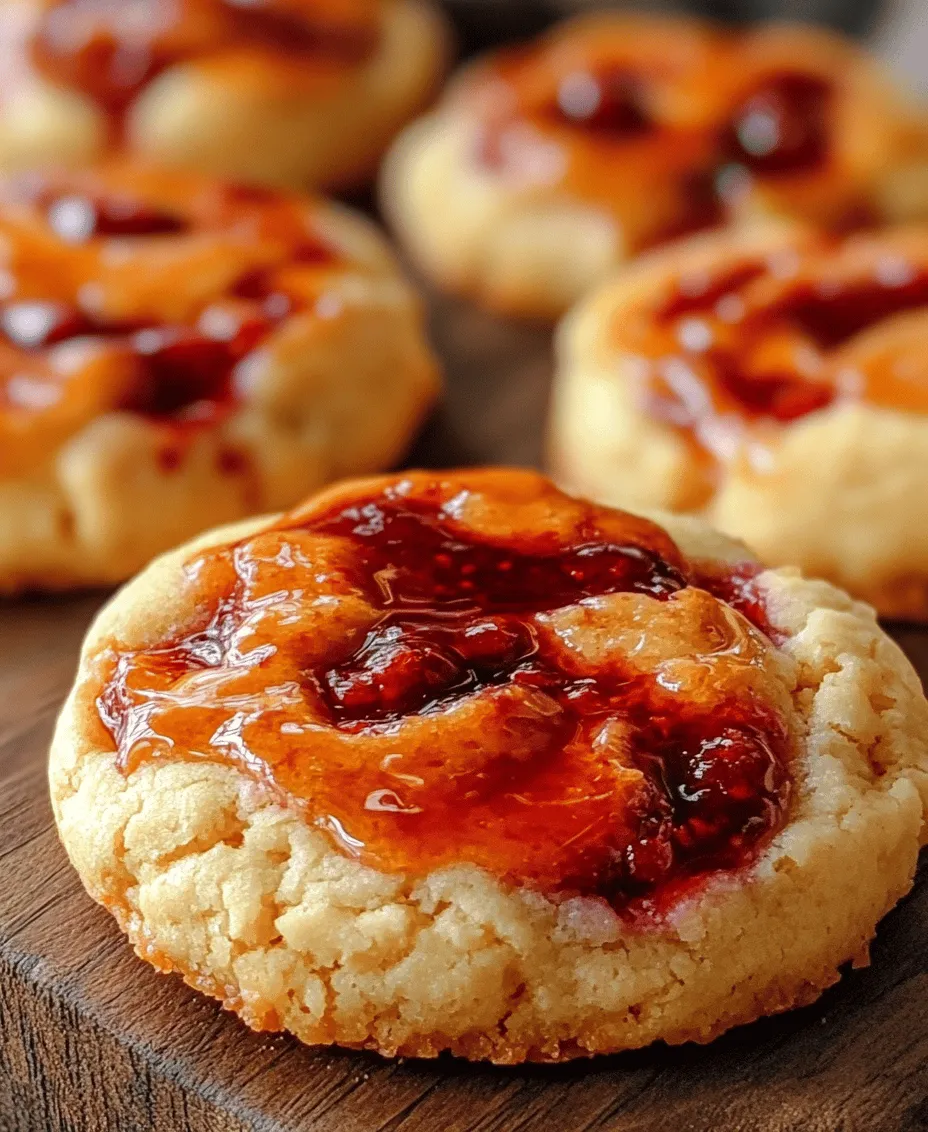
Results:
x,y
140,291
747,343
476,668
111,50
673,127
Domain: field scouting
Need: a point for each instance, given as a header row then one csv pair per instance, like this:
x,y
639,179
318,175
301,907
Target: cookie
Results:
x,y
296,93
545,167
453,761
773,383
176,352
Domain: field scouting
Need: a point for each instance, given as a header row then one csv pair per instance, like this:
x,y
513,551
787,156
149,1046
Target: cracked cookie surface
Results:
x,y
218,862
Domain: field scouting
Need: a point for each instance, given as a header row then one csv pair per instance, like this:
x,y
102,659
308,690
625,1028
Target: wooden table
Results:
x,y
91,1039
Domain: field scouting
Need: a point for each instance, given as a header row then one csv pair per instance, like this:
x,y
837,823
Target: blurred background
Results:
x,y
898,28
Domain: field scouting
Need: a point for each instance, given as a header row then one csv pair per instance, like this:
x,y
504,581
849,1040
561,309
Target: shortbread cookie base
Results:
x,y
214,879
521,244
839,493
334,391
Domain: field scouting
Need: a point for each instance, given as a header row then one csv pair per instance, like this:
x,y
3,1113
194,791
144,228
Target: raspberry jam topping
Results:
x,y
610,102
783,126
670,128
451,621
110,50
177,369
768,341
476,668
140,291
78,217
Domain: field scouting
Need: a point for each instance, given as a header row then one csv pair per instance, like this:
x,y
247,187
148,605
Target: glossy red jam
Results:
x,y
754,342
783,126
671,127
433,695
96,258
78,217
832,311
110,50
479,592
609,101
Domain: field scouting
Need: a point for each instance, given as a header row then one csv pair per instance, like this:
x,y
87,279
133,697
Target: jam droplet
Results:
x,y
603,780
783,126
831,313
77,217
34,323
716,782
108,49
611,102
781,397
177,370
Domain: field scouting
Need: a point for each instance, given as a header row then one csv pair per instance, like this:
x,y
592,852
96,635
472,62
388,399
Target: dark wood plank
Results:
x,y
496,398
93,1040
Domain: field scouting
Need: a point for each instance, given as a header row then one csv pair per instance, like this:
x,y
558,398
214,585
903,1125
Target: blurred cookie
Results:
x,y
545,167
454,761
176,351
775,383
300,93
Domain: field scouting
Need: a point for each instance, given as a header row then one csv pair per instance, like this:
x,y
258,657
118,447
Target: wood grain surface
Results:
x,y
91,1039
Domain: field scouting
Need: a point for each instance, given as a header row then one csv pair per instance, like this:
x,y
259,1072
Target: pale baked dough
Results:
x,y
248,121
524,243
336,389
839,492
521,251
213,879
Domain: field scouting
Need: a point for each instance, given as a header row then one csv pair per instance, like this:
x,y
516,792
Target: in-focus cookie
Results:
x,y
454,761
545,167
176,352
301,93
775,383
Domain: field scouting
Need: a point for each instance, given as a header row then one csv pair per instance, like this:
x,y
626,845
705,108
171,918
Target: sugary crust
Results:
x,y
329,394
213,879
841,492
526,246
220,123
